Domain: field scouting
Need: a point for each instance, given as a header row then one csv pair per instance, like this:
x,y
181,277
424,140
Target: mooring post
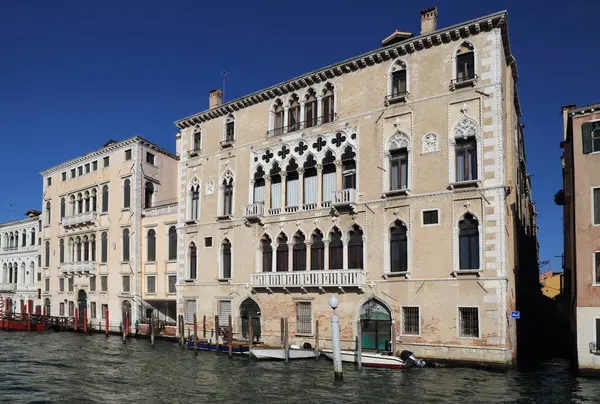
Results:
x,y
85,320
230,338
217,333
394,339
182,331
335,340
286,341
44,315
106,321
250,336
281,332
127,323
76,319
29,311
195,335
204,327
317,339
359,346
152,325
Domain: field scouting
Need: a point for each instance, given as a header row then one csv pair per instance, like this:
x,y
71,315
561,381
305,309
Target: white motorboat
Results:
x,y
279,353
372,359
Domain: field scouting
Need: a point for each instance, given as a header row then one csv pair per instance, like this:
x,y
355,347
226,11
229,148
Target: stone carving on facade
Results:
x,y
430,143
210,187
466,128
399,140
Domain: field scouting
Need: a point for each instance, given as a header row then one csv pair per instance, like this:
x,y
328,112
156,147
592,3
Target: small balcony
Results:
x,y
79,219
8,287
344,198
254,211
338,279
78,268
401,96
468,80
13,248
228,142
194,152
311,123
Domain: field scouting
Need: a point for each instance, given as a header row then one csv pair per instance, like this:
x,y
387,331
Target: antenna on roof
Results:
x,y
223,74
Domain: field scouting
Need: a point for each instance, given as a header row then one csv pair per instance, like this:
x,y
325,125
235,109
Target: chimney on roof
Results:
x,y
429,20
215,98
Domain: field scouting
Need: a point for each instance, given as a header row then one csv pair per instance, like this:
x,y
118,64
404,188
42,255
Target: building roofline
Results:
x,y
19,221
379,55
108,149
588,109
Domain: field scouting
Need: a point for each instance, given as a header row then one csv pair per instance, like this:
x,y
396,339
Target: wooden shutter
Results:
x,y
586,137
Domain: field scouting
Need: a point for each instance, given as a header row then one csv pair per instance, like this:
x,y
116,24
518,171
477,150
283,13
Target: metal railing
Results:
x,y
310,123
396,97
465,80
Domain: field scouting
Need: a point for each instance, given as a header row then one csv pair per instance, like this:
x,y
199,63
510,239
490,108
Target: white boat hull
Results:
x,y
279,353
369,359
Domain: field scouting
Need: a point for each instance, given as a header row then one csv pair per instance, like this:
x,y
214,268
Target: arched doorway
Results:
x,y
81,305
126,312
250,309
376,326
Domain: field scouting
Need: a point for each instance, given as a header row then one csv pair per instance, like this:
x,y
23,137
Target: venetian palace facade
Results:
x,y
393,179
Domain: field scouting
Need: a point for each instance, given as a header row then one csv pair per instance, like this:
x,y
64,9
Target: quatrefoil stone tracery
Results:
x,y
466,128
399,141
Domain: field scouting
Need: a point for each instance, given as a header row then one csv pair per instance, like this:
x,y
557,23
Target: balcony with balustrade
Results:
x,y
254,211
79,219
284,281
78,268
344,198
8,287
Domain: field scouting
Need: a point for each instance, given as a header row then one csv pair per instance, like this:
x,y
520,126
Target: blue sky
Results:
x,y
74,74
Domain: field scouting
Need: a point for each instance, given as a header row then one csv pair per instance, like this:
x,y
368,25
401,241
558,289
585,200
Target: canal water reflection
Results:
x,y
70,368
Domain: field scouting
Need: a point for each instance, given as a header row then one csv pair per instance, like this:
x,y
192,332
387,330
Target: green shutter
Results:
x,y
586,137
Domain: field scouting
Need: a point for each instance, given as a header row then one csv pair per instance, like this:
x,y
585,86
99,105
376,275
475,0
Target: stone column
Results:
x,y
319,184
345,252
285,120
267,194
325,254
274,257
319,108
339,171
291,256
301,188
283,190
301,117
308,255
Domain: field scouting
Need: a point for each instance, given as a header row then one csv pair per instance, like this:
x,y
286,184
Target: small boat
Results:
x,y
295,352
11,322
378,359
204,345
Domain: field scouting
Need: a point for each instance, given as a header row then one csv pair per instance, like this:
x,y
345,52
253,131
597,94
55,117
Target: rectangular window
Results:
x,y
127,154
71,309
92,310
64,176
597,269
230,131
172,279
197,141
466,160
71,285
104,308
150,158
79,171
278,123
151,284
92,283
596,205
190,310
49,181
87,168
597,333
310,114
224,312
398,169
61,309
39,276
410,321
468,322
310,186
106,161
61,285
104,283
73,174
39,259
47,285
304,318
94,165
126,283
430,217
398,83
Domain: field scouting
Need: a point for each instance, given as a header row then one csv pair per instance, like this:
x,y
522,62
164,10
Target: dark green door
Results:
x,y
376,326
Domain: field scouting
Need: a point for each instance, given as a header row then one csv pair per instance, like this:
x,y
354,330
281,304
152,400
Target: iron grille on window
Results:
x,y
410,320
190,310
469,322
430,217
303,318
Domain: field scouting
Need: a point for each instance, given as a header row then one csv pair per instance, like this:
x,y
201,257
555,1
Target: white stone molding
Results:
x,y
397,65
473,49
455,243
465,128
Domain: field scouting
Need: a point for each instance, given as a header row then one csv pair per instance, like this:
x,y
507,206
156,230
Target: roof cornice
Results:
x,y
588,109
380,55
107,150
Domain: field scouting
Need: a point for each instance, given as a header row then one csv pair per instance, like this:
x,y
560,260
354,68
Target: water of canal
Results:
x,y
72,368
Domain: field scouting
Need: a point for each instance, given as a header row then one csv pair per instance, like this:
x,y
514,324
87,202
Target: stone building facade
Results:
x,y
94,234
391,179
19,267
581,187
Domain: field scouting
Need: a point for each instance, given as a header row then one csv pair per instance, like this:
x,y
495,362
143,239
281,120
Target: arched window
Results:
x,y
71,250
355,248
329,176
267,254
310,183
62,250
148,194
126,245
24,239
227,196
47,306
104,247
105,198
292,199
349,168
151,245
16,239
78,248
197,142
468,242
299,252
317,252
79,203
86,201
72,205
282,253
94,199
397,82
259,186
310,109
276,201
398,247
86,249
31,273
127,193
327,104
465,137
63,208
226,259
47,253
465,63
278,123
193,261
195,202
336,249
376,326
32,236
230,129
48,213
399,145
93,248
294,114
22,278
172,243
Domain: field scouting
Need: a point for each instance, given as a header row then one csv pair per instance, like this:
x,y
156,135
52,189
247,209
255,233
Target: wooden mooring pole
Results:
x,y
29,317
286,340
195,335
181,330
317,338
217,333
204,327
106,322
85,320
393,339
127,323
250,333
281,332
230,338
359,346
152,326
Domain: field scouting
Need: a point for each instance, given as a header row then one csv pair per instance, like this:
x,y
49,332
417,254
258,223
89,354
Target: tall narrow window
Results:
x,y
349,168
226,259
398,169
327,108
105,198
259,186
267,254
468,242
310,110
63,208
172,243
62,250
596,197
230,129
465,63
292,187
24,239
355,248
193,261
47,254
48,213
310,183
294,115
32,237
126,283
329,177
151,245
197,141
282,253
148,193
78,248
104,247
299,252
195,203
317,252
275,174
278,124
127,193
94,200
228,197
466,160
336,250
398,83
398,247
126,245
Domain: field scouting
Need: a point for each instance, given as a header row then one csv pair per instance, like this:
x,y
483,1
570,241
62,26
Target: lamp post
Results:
x,y
335,339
